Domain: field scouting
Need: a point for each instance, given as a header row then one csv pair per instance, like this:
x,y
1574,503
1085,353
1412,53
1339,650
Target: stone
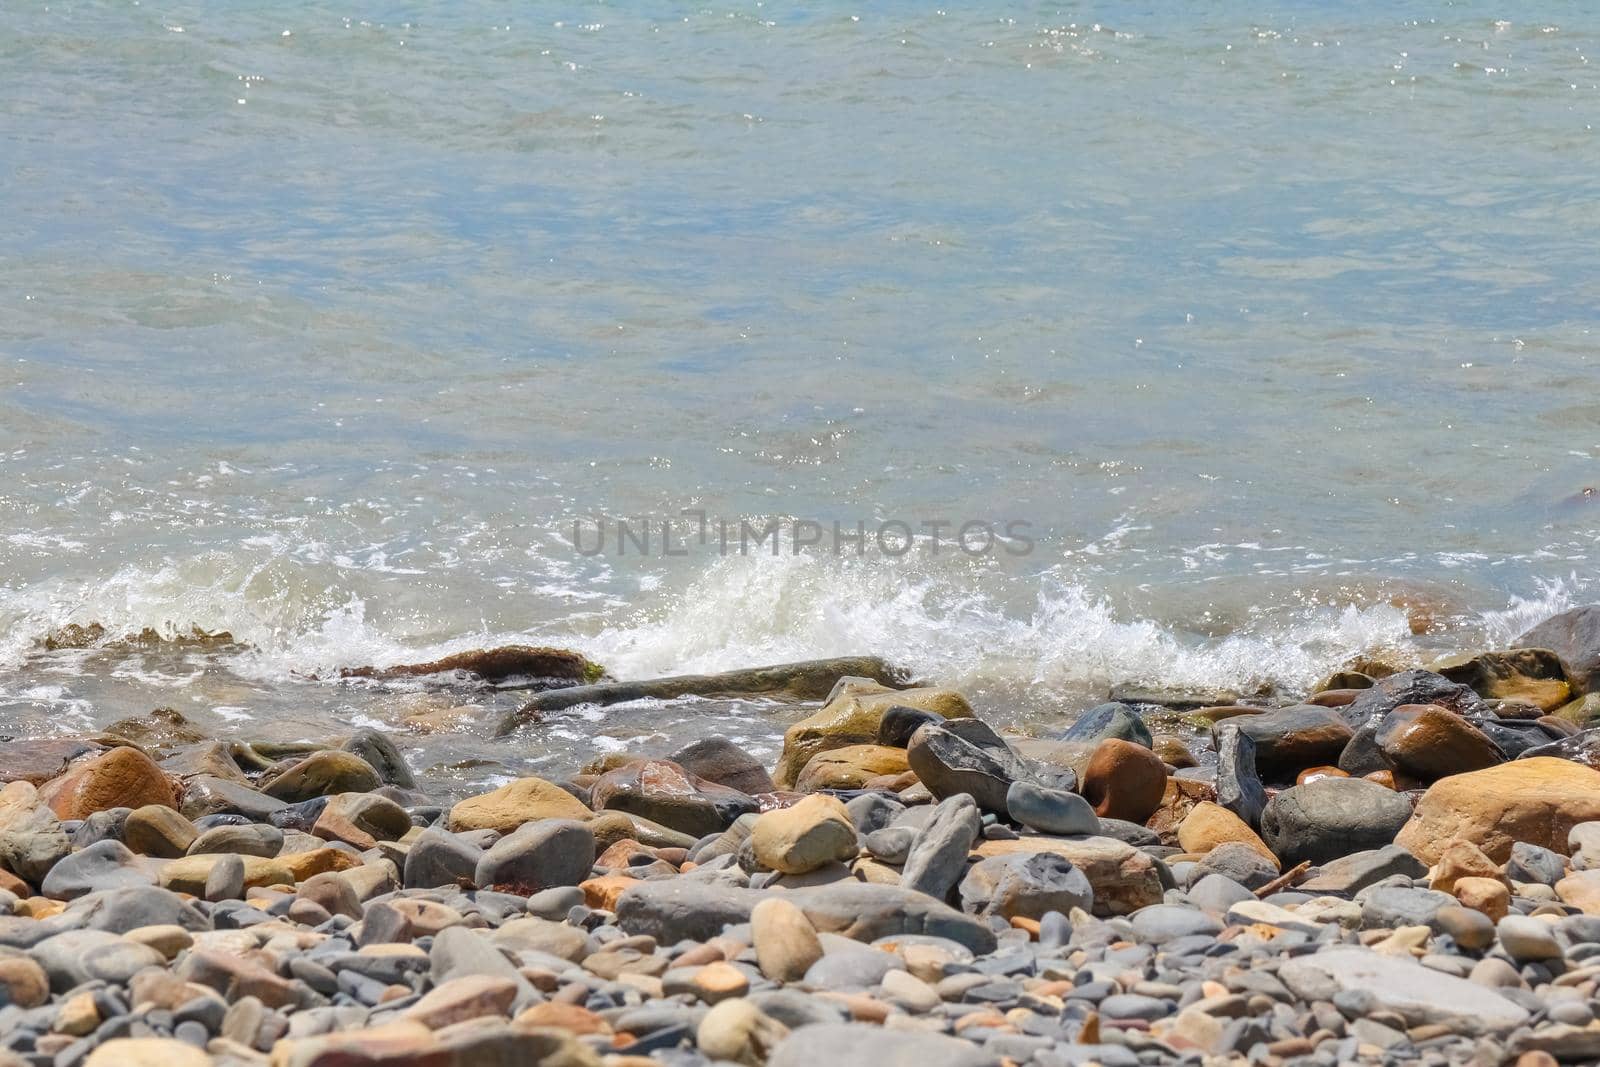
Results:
x,y
1537,800
210,795
1029,886
361,820
812,833
665,793
1527,939
1124,879
1531,675
1239,862
716,759
537,856
121,777
1289,740
125,909
857,1045
1239,788
1124,781
967,757
22,982
158,830
1487,895
1330,818
853,718
785,942
1174,753
322,774
1111,720
225,879
1051,811
1393,906
850,767
1428,742
1574,636
163,727
103,865
1472,928
508,807
1160,923
938,854
1209,825
471,996
1533,863
1417,994
1460,859
147,1052
737,1031
382,755
440,858
38,760
554,666
1351,874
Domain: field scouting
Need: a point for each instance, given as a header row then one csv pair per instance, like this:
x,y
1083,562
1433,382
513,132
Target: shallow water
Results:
x,y
1275,324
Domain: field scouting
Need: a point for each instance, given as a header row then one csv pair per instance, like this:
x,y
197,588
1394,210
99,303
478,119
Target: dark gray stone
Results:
x,y
1575,637
1389,907
1350,874
938,856
1330,818
1534,863
103,865
383,756
1239,789
538,855
1051,811
1029,886
1110,720
439,858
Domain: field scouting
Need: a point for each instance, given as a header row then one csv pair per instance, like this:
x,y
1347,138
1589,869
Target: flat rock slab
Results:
x,y
1416,993
855,1045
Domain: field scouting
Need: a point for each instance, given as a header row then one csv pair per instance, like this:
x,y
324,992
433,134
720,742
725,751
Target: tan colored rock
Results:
x,y
786,943
851,767
157,830
1532,675
169,940
77,1015
852,719
147,1052
189,873
1488,895
1581,889
1124,879
1209,825
813,833
323,774
1538,800
736,1031
303,865
560,1016
469,997
1461,859
515,803
120,778
23,982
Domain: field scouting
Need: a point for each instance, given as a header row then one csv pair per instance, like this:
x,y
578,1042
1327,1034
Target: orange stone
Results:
x,y
1124,781
120,778
1311,774
602,893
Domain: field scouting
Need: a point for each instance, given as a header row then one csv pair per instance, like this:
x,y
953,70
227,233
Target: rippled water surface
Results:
x,y
322,325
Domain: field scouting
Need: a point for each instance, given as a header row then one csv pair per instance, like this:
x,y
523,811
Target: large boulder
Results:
x,y
1328,818
852,718
1289,740
967,756
121,778
665,793
515,803
1428,742
1538,800
1574,636
851,767
1531,675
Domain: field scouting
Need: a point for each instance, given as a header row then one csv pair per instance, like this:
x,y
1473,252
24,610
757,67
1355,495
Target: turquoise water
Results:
x,y
323,326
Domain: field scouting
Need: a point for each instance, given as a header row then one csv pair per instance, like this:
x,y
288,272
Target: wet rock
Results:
x,y
1428,742
1289,740
1531,675
850,767
552,665
361,820
938,855
163,727
853,718
1050,811
38,760
101,866
1026,886
1112,720
538,856
665,793
508,807
1537,800
1574,636
322,774
1582,747
381,754
1325,820
899,722
158,830
1124,781
122,777
808,836
976,762
1239,788
719,760
210,795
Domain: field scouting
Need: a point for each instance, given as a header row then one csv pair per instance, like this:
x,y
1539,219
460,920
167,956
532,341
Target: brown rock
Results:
x,y
1581,889
1174,753
665,793
786,943
1428,742
812,834
851,767
1288,740
459,999
1383,778
515,803
1488,895
1210,825
1311,774
323,774
120,778
719,760
157,830
852,718
1124,781
557,1015
1533,675
1539,799
495,665
303,865
23,982
189,873
1179,798
38,761
1461,859
163,726
362,820
1124,879
602,893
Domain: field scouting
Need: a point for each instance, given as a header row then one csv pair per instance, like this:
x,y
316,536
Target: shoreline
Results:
x,y
1395,869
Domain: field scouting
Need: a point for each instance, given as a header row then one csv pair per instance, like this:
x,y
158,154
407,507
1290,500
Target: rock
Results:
x,y
1289,740
853,718
1174,753
225,879
1460,859
665,793
508,807
254,839
209,795
122,777
147,1052
381,754
938,855
158,830
1417,994
1528,940
1574,636
1025,886
103,865
22,982
1051,811
1239,789
361,820
440,858
1531,675
537,856
553,666
965,756
322,774
1123,878
814,832
31,838
737,1031
1533,863
1210,825
900,722
1472,929
124,909
163,727
786,944
1428,742
850,767
469,997
38,760
1124,781
1160,923
856,1045
1239,862
1112,720
719,760
1537,800
1394,906
1486,895
1325,820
